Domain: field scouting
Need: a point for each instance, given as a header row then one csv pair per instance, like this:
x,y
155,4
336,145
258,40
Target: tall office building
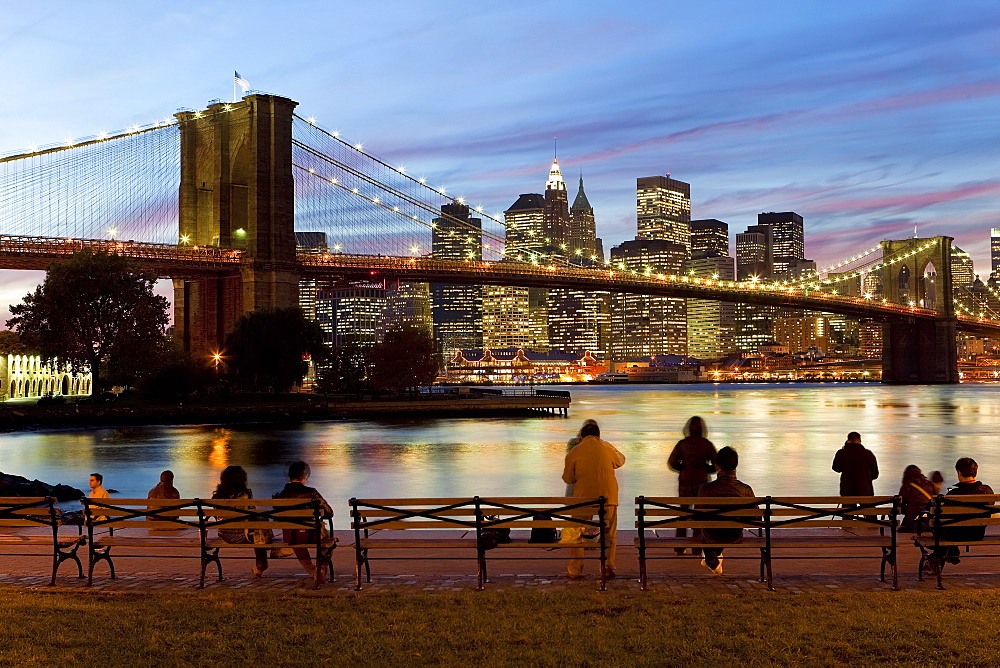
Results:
x,y
995,252
754,260
580,320
315,243
583,229
963,273
663,209
507,318
351,313
754,254
787,240
408,304
457,310
709,238
643,325
711,325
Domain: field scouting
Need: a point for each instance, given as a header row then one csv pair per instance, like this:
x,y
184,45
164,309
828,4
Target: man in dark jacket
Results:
x,y
725,484
857,467
298,476
967,470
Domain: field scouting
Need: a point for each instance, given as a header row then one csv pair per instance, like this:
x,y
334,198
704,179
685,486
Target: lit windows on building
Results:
x,y
709,238
802,332
352,313
663,209
711,324
457,310
787,239
643,325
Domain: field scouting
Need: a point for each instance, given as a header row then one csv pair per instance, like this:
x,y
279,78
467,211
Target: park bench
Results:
x,y
23,515
775,527
157,526
467,527
978,510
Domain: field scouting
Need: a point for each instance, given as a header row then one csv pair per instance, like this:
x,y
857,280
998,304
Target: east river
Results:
x,y
786,436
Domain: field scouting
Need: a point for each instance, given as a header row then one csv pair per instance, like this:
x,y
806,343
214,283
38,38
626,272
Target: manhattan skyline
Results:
x,y
864,120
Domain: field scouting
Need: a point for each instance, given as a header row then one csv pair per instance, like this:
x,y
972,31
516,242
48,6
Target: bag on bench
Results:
x,y
543,534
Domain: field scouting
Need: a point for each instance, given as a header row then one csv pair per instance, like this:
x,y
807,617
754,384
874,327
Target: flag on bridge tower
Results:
x,y
241,82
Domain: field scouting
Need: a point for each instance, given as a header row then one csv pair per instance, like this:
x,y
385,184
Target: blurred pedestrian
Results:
x,y
694,460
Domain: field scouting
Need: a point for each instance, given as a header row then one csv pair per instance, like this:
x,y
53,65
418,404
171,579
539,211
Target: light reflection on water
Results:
x,y
786,437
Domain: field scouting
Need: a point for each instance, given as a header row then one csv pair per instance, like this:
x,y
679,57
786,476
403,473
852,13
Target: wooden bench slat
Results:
x,y
417,543
418,524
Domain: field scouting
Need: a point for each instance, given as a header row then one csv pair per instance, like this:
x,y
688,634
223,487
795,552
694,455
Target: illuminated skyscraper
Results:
x,y
642,325
580,320
787,240
995,251
663,209
754,261
457,310
709,238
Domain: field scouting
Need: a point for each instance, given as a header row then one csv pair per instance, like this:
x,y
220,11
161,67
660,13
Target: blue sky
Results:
x,y
865,118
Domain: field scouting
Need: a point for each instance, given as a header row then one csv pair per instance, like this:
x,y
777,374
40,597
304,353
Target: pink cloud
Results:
x,y
905,202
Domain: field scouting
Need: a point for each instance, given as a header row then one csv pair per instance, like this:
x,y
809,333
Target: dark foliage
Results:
x,y
265,351
406,358
97,311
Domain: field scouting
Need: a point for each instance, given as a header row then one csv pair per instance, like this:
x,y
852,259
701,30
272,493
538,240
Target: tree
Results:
x,y
406,358
94,310
345,368
11,344
266,347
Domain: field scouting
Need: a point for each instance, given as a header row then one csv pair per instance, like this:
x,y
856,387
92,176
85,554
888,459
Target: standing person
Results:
x,y
915,492
590,468
572,443
298,476
165,488
967,470
694,460
725,484
233,485
857,467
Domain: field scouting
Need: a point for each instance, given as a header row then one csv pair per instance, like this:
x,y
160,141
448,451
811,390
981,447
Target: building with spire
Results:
x,y
579,320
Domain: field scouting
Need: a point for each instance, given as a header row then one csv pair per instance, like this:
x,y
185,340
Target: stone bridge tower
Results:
x,y
236,191
919,351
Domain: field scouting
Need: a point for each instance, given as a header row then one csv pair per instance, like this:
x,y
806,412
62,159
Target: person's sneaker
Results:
x,y
572,576
716,568
281,552
609,574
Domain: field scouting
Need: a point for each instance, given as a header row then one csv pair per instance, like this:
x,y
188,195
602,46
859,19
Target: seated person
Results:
x,y
725,484
298,476
915,493
967,470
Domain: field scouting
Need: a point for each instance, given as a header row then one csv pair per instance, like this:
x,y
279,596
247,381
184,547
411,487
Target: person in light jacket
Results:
x,y
590,468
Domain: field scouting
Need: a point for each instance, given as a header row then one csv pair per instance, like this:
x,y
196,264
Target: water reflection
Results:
x,y
786,436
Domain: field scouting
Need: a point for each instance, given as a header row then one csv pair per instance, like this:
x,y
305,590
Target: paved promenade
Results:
x,y
434,573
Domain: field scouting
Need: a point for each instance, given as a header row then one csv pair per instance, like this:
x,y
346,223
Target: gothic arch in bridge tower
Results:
x,y
916,273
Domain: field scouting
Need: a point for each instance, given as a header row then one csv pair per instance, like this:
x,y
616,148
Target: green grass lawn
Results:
x,y
497,628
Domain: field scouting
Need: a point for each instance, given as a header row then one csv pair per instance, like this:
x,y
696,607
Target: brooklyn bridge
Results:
x,y
211,199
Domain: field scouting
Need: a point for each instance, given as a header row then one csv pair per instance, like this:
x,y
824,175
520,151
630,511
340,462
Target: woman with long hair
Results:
x,y
233,485
915,493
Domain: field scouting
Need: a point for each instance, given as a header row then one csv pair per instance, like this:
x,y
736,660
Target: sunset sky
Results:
x,y
865,118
